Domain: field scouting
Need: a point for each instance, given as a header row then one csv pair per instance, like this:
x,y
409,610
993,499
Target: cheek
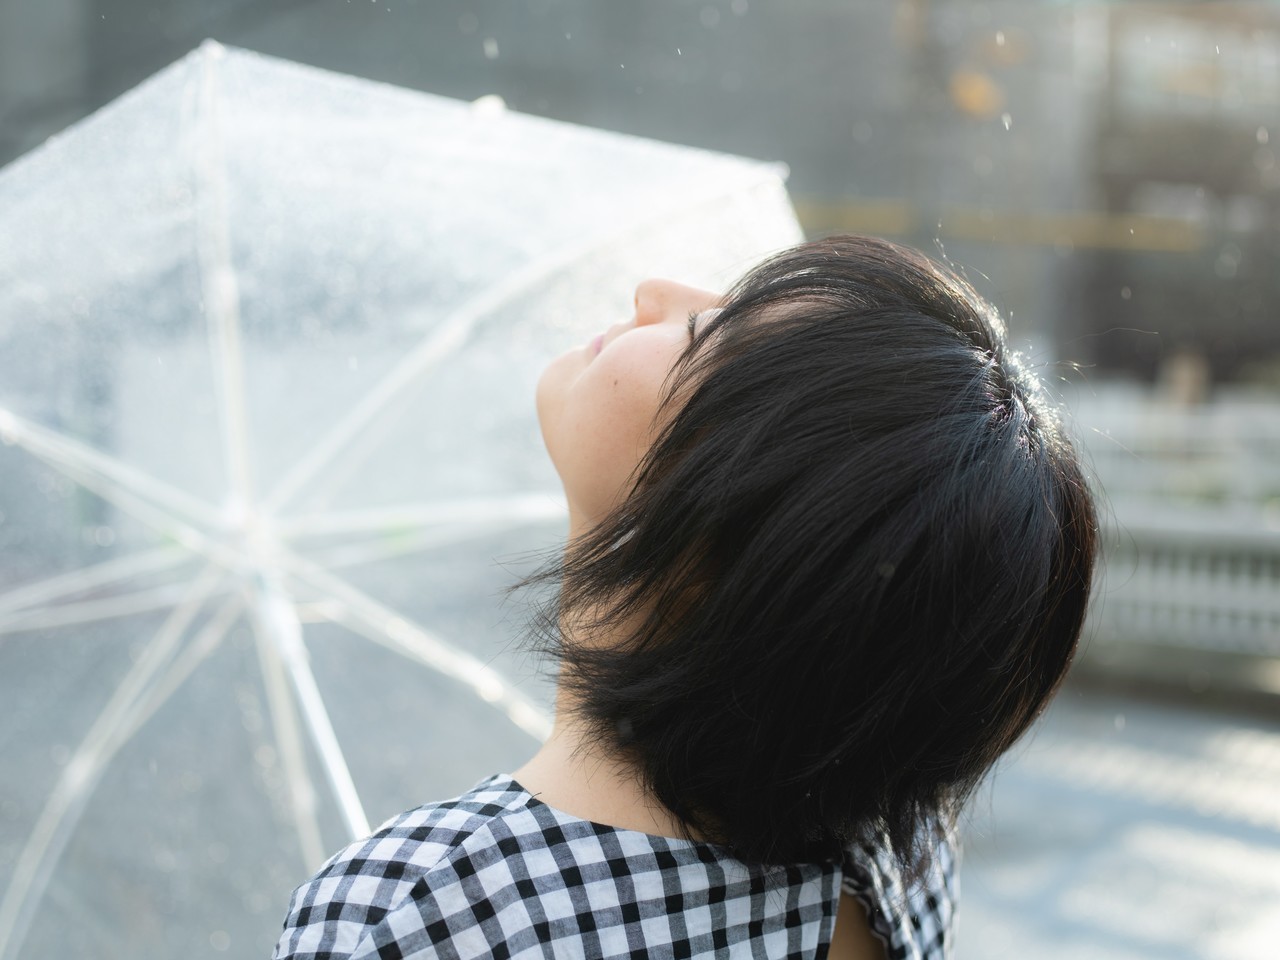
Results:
x,y
596,426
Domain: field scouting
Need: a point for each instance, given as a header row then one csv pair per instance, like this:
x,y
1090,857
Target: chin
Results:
x,y
549,400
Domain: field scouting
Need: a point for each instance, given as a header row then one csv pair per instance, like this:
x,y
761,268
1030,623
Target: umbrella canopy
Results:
x,y
268,340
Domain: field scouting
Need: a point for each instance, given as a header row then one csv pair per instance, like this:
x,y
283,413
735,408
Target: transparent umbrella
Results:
x,y
268,339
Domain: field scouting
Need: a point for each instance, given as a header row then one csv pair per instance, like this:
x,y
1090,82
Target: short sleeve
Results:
x,y
916,921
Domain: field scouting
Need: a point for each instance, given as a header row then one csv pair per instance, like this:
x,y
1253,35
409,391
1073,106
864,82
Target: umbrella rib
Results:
x,y
184,664
219,285
519,508
109,474
189,536
370,550
366,616
429,352
89,578
281,619
285,723
453,333
67,802
381,543
88,611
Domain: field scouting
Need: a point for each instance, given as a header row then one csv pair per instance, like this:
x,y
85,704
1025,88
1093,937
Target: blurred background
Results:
x,y
1106,173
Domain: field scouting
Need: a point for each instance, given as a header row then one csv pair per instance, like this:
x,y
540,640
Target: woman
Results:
x,y
829,558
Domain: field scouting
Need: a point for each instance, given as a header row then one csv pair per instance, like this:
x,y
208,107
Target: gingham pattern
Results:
x,y
914,923
496,873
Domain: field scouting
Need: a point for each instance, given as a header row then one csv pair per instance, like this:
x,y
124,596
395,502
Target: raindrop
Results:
x,y
490,48
709,16
999,38
1007,120
1263,135
1119,722
739,7
1228,262
104,536
220,940
568,36
678,52
1126,293
265,756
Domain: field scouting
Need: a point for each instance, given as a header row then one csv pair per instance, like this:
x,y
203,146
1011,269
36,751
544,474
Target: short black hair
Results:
x,y
851,572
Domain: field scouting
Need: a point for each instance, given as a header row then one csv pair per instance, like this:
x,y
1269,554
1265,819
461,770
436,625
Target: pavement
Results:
x,y
1128,827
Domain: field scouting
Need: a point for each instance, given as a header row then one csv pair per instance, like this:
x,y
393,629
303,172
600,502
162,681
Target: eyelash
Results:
x,y
693,327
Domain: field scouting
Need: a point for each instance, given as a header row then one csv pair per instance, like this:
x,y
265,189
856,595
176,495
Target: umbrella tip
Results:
x,y
490,105
211,49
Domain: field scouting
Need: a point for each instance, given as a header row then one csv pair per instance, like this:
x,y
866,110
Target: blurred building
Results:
x,y
1111,167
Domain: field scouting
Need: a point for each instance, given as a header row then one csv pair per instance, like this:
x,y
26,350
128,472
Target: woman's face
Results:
x,y
598,404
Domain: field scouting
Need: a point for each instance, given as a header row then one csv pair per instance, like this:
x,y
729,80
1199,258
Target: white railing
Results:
x,y
1191,506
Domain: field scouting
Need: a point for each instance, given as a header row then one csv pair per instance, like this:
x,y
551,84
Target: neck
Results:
x,y
575,773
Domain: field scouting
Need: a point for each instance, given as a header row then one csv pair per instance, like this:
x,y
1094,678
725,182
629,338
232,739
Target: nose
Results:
x,y
659,300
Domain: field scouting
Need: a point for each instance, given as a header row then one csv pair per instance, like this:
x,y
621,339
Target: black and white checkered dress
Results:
x,y
497,873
